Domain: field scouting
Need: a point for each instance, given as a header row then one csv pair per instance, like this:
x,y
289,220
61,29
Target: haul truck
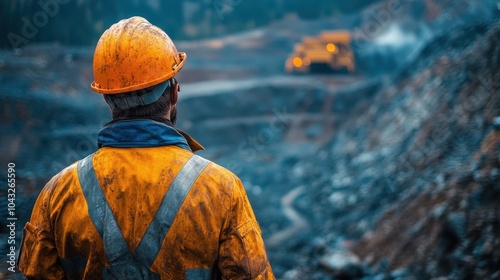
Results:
x,y
330,51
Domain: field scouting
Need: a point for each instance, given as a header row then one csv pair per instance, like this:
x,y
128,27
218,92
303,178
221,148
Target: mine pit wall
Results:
x,y
449,227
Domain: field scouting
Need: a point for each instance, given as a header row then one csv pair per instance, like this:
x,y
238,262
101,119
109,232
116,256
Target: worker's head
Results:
x,y
134,67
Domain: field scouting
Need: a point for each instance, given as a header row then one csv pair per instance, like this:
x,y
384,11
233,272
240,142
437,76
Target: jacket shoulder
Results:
x,y
60,181
223,177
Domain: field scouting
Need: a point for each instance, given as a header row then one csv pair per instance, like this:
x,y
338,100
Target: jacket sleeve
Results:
x,y
38,258
242,254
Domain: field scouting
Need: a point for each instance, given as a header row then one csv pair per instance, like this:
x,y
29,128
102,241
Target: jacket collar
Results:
x,y
144,132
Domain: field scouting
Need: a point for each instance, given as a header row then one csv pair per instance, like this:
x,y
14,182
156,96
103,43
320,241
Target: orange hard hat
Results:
x,y
133,54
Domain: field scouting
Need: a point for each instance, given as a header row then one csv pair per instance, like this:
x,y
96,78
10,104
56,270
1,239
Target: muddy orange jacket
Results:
x,y
144,198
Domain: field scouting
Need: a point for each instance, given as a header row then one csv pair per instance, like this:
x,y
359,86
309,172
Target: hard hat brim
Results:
x,y
175,69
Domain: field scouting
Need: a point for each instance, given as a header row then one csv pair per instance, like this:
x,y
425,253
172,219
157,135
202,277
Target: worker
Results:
x,y
143,206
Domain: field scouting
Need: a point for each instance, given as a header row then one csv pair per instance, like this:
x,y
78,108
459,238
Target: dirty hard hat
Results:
x,y
132,55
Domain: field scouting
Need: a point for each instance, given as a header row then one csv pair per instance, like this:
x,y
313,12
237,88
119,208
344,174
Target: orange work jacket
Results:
x,y
213,233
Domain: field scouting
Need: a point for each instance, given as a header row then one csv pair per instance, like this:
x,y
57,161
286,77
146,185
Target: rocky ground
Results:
x,y
391,173
410,182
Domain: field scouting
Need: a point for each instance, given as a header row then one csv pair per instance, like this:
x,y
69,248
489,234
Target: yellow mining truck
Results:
x,y
330,51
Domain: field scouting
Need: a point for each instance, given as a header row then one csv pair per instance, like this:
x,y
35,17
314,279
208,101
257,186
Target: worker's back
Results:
x,y
134,182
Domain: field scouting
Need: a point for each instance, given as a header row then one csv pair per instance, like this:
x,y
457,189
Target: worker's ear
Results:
x,y
174,93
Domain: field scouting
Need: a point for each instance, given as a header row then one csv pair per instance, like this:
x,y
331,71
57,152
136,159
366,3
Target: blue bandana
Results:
x,y
139,134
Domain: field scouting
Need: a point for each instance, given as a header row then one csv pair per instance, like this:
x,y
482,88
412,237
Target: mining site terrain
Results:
x,y
392,172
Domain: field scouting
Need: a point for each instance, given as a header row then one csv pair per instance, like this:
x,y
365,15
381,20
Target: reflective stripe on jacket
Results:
x,y
214,231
